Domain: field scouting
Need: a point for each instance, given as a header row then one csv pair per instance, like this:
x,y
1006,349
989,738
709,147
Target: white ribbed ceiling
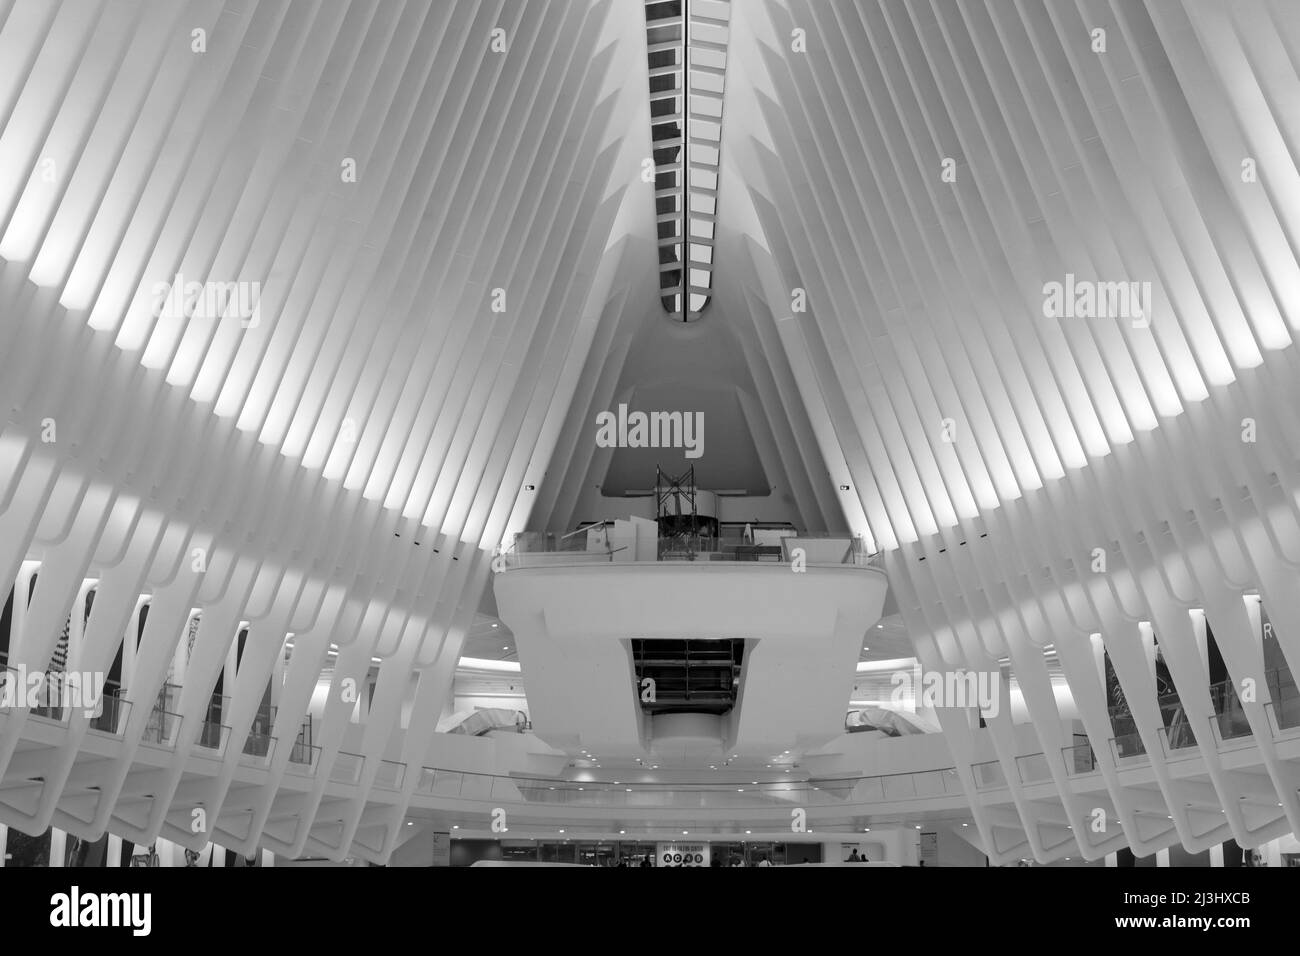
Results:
x,y
433,336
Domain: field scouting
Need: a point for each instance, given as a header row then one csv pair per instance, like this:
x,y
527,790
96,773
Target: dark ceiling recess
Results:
x,y
690,677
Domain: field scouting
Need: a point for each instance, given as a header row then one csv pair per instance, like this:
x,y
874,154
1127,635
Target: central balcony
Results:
x,y
585,607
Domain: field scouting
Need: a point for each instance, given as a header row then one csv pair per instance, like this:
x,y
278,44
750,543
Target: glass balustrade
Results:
x,y
529,548
161,728
1079,759
1033,768
260,745
1283,709
303,757
113,713
391,775
213,736
1128,745
989,775
465,785
346,767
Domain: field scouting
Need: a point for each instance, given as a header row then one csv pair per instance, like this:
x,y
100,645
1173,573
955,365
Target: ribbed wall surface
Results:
x,y
410,202
416,351
989,449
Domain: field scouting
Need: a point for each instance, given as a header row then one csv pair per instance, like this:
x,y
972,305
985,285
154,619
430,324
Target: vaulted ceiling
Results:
x,y
436,217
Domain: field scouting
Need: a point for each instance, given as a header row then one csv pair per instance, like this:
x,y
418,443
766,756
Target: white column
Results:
x,y
4,844
1112,859
1162,857
113,858
1216,855
58,846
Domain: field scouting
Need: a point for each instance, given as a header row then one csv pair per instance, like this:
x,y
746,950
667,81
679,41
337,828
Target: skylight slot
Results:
x,y
686,42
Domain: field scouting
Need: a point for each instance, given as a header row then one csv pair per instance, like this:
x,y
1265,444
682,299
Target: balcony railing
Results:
x,y
885,788
302,752
1033,768
989,775
213,735
113,713
1079,759
347,767
260,742
391,775
1127,745
819,549
1283,709
304,757
260,745
161,728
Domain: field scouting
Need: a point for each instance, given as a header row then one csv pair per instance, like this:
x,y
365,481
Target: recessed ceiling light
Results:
x,y
496,625
684,832
561,831
749,831
455,826
965,824
505,647
409,823
918,828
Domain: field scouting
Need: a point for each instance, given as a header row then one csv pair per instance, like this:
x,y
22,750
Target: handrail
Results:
x,y
391,775
162,727
260,745
903,785
114,711
691,547
339,772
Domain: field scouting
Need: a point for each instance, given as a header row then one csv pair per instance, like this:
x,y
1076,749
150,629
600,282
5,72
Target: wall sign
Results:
x,y
682,854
